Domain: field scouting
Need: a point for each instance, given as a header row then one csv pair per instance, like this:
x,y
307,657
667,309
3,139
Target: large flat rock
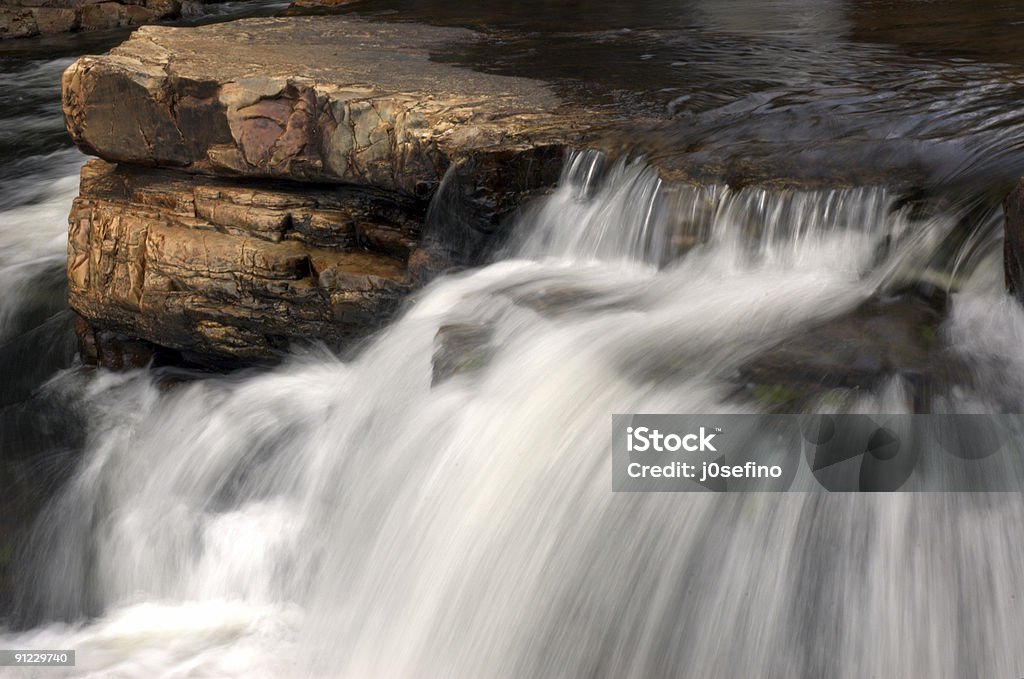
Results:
x,y
314,99
267,180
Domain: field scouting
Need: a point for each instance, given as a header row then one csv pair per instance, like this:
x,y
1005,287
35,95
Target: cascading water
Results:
x,y
387,517
370,518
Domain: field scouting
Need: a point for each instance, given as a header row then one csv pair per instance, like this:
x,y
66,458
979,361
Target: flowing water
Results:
x,y
368,517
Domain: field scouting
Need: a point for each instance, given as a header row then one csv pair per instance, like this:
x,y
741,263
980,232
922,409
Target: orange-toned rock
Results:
x,y
224,270
310,99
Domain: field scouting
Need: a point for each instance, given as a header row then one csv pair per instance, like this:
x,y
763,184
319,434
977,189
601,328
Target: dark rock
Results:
x,y
885,336
460,348
1013,245
114,351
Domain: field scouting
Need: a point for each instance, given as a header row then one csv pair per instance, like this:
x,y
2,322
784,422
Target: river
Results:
x,y
355,517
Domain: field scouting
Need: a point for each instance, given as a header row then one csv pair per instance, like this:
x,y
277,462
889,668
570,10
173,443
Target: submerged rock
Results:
x,y
886,336
460,348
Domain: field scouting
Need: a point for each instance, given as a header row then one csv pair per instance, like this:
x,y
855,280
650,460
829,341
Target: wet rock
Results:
x,y
553,299
114,351
229,270
1013,244
460,348
884,337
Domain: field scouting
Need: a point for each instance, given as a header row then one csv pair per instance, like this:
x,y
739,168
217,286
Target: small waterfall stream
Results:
x,y
366,518
439,505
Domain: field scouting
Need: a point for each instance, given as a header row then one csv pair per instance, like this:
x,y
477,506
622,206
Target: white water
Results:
x,y
332,519
34,231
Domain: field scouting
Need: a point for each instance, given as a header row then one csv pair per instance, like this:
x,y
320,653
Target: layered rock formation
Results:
x,y
268,180
28,18
232,269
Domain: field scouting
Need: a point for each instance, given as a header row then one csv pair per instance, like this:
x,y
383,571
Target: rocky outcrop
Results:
x,y
314,99
219,268
28,18
267,181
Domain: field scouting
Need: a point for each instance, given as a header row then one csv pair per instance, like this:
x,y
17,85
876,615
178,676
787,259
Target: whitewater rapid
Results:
x,y
359,518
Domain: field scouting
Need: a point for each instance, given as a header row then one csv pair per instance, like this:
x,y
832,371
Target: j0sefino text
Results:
x,y
708,470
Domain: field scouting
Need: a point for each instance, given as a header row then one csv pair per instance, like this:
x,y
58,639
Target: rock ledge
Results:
x,y
267,180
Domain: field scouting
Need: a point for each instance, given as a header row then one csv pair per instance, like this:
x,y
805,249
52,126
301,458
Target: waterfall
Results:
x,y
376,518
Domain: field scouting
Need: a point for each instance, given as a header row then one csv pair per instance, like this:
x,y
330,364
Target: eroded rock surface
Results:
x,y
317,99
227,269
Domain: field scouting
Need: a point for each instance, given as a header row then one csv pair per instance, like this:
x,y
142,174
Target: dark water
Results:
x,y
855,92
41,430
333,518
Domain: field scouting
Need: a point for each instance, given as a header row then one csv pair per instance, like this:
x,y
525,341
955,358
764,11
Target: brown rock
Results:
x,y
163,8
112,350
56,19
135,15
17,22
102,16
371,108
27,18
298,158
221,270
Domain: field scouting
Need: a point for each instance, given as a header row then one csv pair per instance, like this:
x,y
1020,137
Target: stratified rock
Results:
x,y
273,178
316,99
221,269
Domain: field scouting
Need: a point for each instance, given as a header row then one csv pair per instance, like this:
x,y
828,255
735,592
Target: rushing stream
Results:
x,y
368,518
